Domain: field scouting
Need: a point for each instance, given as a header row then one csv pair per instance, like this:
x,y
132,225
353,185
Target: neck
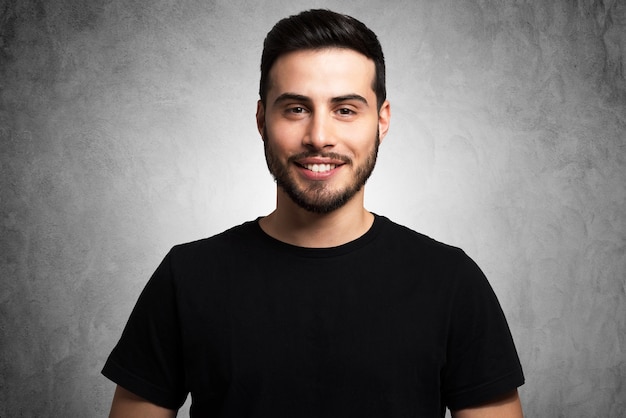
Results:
x,y
292,224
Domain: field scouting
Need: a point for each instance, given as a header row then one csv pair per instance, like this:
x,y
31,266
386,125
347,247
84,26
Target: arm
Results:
x,y
127,404
507,406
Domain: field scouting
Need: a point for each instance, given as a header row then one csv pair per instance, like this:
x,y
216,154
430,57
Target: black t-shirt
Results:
x,y
393,324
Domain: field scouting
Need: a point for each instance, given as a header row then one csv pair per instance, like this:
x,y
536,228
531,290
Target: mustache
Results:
x,y
317,154
312,154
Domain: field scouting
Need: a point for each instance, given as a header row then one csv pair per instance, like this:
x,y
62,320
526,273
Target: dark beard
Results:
x,y
316,198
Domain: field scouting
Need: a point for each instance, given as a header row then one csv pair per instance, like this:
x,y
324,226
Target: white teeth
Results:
x,y
320,168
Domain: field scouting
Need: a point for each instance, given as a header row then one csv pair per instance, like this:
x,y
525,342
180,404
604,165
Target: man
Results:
x,y
321,308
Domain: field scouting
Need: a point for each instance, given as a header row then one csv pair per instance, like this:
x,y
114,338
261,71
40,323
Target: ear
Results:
x,y
384,116
260,117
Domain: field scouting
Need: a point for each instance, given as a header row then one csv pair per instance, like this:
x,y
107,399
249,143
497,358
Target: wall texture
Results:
x,y
128,126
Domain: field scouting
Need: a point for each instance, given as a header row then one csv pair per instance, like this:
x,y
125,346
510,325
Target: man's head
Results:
x,y
319,29
323,109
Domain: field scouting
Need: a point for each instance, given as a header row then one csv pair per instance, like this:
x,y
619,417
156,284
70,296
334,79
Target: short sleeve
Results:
x,y
147,360
481,359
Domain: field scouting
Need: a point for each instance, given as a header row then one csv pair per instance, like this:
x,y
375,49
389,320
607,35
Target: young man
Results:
x,y
321,308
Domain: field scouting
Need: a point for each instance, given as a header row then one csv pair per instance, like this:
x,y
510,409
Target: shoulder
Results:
x,y
402,238
406,249
206,254
226,240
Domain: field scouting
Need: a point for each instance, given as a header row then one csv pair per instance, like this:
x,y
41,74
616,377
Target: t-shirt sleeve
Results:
x,y
147,360
481,359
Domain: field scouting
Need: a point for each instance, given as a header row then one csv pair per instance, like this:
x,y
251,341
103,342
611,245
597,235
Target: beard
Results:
x,y
317,196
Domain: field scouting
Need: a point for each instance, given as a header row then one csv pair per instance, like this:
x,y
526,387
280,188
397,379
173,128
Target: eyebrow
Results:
x,y
304,99
291,96
349,97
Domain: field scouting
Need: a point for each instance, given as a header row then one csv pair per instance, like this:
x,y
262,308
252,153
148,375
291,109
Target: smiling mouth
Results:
x,y
319,164
319,168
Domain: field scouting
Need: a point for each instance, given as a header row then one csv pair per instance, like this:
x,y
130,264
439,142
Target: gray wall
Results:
x,y
128,126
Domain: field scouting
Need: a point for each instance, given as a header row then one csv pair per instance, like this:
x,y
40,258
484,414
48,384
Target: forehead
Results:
x,y
322,72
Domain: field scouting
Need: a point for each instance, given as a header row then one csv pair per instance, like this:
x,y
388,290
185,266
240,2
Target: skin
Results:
x,y
126,405
506,406
320,103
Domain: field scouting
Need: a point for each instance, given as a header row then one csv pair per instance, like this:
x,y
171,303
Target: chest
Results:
x,y
317,321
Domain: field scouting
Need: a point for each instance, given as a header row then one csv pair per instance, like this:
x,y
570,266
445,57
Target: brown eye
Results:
x,y
344,111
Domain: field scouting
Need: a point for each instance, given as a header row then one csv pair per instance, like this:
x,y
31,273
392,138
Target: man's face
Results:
x,y
321,126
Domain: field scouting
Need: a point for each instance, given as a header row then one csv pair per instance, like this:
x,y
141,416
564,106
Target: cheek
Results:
x,y
360,136
284,135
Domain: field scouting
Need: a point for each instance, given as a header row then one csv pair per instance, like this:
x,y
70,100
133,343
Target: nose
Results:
x,y
320,133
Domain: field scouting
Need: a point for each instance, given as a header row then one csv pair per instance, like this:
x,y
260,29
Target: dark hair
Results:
x,y
318,29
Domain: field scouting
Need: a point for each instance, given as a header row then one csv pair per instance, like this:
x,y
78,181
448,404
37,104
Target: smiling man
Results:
x,y
321,308
321,127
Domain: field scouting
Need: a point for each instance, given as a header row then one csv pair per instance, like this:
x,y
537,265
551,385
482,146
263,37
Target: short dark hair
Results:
x,y
318,29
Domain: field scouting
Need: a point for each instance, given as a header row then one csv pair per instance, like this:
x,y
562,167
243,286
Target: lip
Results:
x,y
317,175
301,165
320,160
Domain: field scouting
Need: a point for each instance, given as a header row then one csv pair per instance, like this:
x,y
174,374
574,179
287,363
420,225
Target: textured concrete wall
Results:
x,y
128,126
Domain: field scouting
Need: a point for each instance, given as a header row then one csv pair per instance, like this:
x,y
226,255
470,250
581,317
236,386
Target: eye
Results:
x,y
345,111
296,110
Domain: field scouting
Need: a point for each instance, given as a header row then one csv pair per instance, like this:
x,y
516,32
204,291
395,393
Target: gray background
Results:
x,y
127,126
